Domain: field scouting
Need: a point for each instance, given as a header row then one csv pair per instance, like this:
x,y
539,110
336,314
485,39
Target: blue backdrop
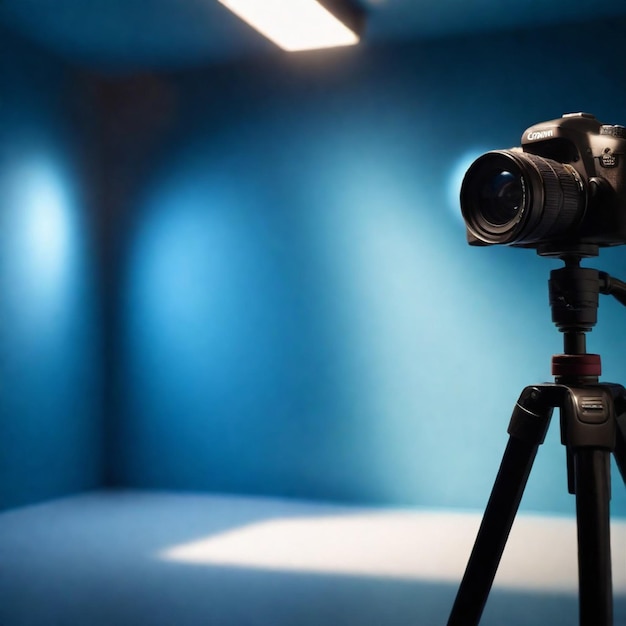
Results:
x,y
300,313
289,306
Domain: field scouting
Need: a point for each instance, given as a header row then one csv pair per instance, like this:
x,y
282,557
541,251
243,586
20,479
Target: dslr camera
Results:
x,y
562,191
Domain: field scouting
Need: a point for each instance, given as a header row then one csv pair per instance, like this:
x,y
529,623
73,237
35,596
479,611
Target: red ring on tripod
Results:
x,y
576,365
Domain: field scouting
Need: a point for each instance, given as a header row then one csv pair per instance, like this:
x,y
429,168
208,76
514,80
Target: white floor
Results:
x,y
144,559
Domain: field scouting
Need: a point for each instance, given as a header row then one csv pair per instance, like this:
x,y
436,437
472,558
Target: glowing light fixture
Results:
x,y
298,24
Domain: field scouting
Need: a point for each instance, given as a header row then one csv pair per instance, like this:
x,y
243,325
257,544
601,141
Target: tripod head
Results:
x,y
574,294
574,298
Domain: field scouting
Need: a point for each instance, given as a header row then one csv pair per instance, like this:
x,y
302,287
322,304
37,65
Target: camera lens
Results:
x,y
513,197
501,197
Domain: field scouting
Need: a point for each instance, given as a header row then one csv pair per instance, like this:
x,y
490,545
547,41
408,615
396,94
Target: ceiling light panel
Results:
x,y
294,24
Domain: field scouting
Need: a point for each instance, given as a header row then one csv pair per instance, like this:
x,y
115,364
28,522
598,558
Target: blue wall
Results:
x,y
50,416
300,313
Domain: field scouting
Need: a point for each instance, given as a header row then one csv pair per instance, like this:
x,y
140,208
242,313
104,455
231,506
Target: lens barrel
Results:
x,y
513,197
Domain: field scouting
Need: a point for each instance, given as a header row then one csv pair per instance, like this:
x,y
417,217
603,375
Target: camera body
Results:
x,y
563,189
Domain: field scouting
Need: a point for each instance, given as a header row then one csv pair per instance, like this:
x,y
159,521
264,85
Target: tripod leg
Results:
x,y
592,472
620,446
589,431
620,439
527,430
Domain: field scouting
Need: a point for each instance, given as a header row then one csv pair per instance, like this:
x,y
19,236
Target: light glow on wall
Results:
x,y
38,210
457,173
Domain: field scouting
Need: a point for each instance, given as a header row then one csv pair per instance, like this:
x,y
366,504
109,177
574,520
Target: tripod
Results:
x,y
593,425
